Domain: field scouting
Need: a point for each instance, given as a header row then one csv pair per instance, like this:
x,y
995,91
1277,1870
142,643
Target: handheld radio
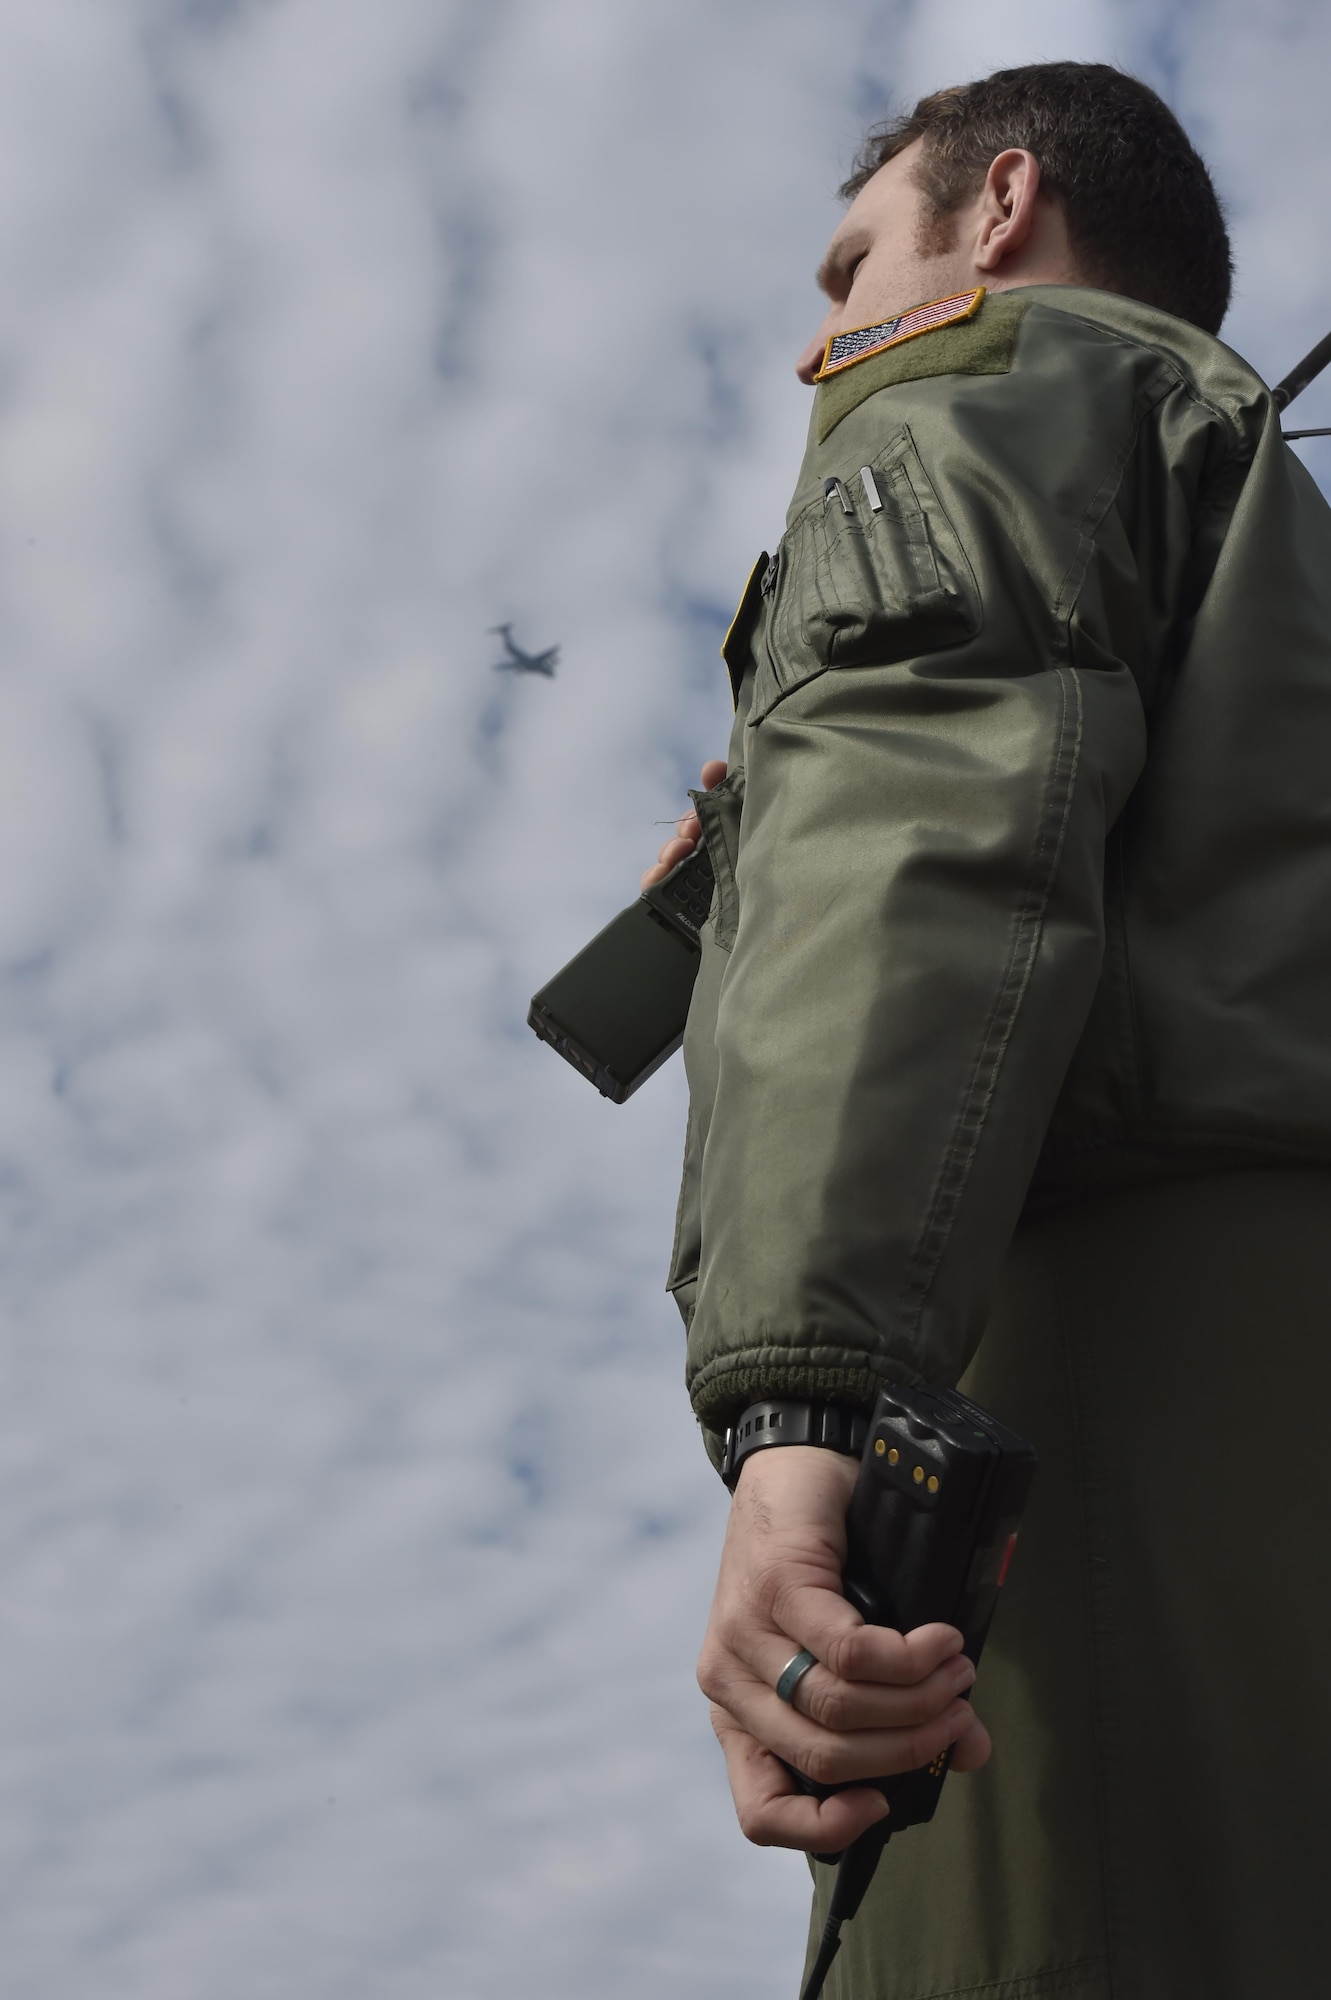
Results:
x,y
931,1528
617,1011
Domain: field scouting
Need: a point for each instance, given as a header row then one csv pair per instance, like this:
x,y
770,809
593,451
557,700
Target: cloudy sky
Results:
x,y
354,1534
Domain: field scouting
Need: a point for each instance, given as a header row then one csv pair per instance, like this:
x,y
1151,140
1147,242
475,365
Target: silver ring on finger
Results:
x,y
792,1674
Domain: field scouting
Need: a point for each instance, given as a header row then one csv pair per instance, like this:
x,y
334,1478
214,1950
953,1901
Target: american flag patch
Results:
x,y
844,349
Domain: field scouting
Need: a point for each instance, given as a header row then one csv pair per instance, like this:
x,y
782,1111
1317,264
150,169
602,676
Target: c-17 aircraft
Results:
x,y
519,662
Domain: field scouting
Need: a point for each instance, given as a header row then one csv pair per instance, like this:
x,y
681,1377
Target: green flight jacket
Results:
x,y
1024,857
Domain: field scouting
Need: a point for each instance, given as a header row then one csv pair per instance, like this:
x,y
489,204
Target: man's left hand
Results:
x,y
877,1703
688,828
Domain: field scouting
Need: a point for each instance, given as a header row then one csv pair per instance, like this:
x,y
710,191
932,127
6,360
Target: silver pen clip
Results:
x,y
831,486
870,486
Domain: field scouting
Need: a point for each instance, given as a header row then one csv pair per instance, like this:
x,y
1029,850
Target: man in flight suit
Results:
x,y
1010,1063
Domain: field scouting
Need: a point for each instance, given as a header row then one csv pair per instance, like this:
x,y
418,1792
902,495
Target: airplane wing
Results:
x,y
519,662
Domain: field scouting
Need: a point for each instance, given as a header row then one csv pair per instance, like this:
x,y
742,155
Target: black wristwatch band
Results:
x,y
835,1426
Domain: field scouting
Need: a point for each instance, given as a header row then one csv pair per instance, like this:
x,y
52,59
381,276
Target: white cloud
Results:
x,y
356,1538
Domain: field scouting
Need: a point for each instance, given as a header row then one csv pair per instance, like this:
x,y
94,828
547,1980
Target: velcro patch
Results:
x,y
982,345
845,349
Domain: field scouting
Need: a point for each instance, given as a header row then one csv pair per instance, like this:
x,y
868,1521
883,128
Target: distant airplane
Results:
x,y
519,662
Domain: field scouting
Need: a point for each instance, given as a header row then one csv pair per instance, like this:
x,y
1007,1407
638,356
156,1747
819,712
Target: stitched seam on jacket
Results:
x,y
1166,381
673,1282
1239,447
1192,1129
1027,932
724,909
1032,1985
1152,392
1132,1024
1081,1378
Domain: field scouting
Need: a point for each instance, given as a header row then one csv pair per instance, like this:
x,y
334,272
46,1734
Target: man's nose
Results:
x,y
812,358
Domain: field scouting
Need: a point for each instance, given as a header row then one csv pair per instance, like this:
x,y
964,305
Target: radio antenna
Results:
x,y
852,1879
1298,378
1297,381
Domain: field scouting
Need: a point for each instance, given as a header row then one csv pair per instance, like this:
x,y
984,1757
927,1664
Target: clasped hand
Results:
x,y
879,1701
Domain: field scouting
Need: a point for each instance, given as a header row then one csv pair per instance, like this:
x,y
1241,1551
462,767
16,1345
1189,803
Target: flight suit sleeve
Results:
x,y
944,720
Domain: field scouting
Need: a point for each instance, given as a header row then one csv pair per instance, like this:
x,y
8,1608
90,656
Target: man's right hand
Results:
x,y
879,1701
688,828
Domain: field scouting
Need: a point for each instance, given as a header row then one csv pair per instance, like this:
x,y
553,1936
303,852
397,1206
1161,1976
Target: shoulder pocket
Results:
x,y
870,572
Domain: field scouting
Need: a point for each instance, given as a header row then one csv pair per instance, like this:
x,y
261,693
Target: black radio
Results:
x,y
931,1528
617,1010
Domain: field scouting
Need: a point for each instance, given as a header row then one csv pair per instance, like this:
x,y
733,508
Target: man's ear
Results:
x,y
1007,211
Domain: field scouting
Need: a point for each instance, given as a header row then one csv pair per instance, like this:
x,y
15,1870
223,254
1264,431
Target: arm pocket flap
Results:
x,y
871,573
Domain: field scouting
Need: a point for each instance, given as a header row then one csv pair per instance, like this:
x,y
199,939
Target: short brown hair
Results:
x,y
1143,217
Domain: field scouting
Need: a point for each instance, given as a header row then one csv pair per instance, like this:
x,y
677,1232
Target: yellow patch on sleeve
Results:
x,y
981,345
843,350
